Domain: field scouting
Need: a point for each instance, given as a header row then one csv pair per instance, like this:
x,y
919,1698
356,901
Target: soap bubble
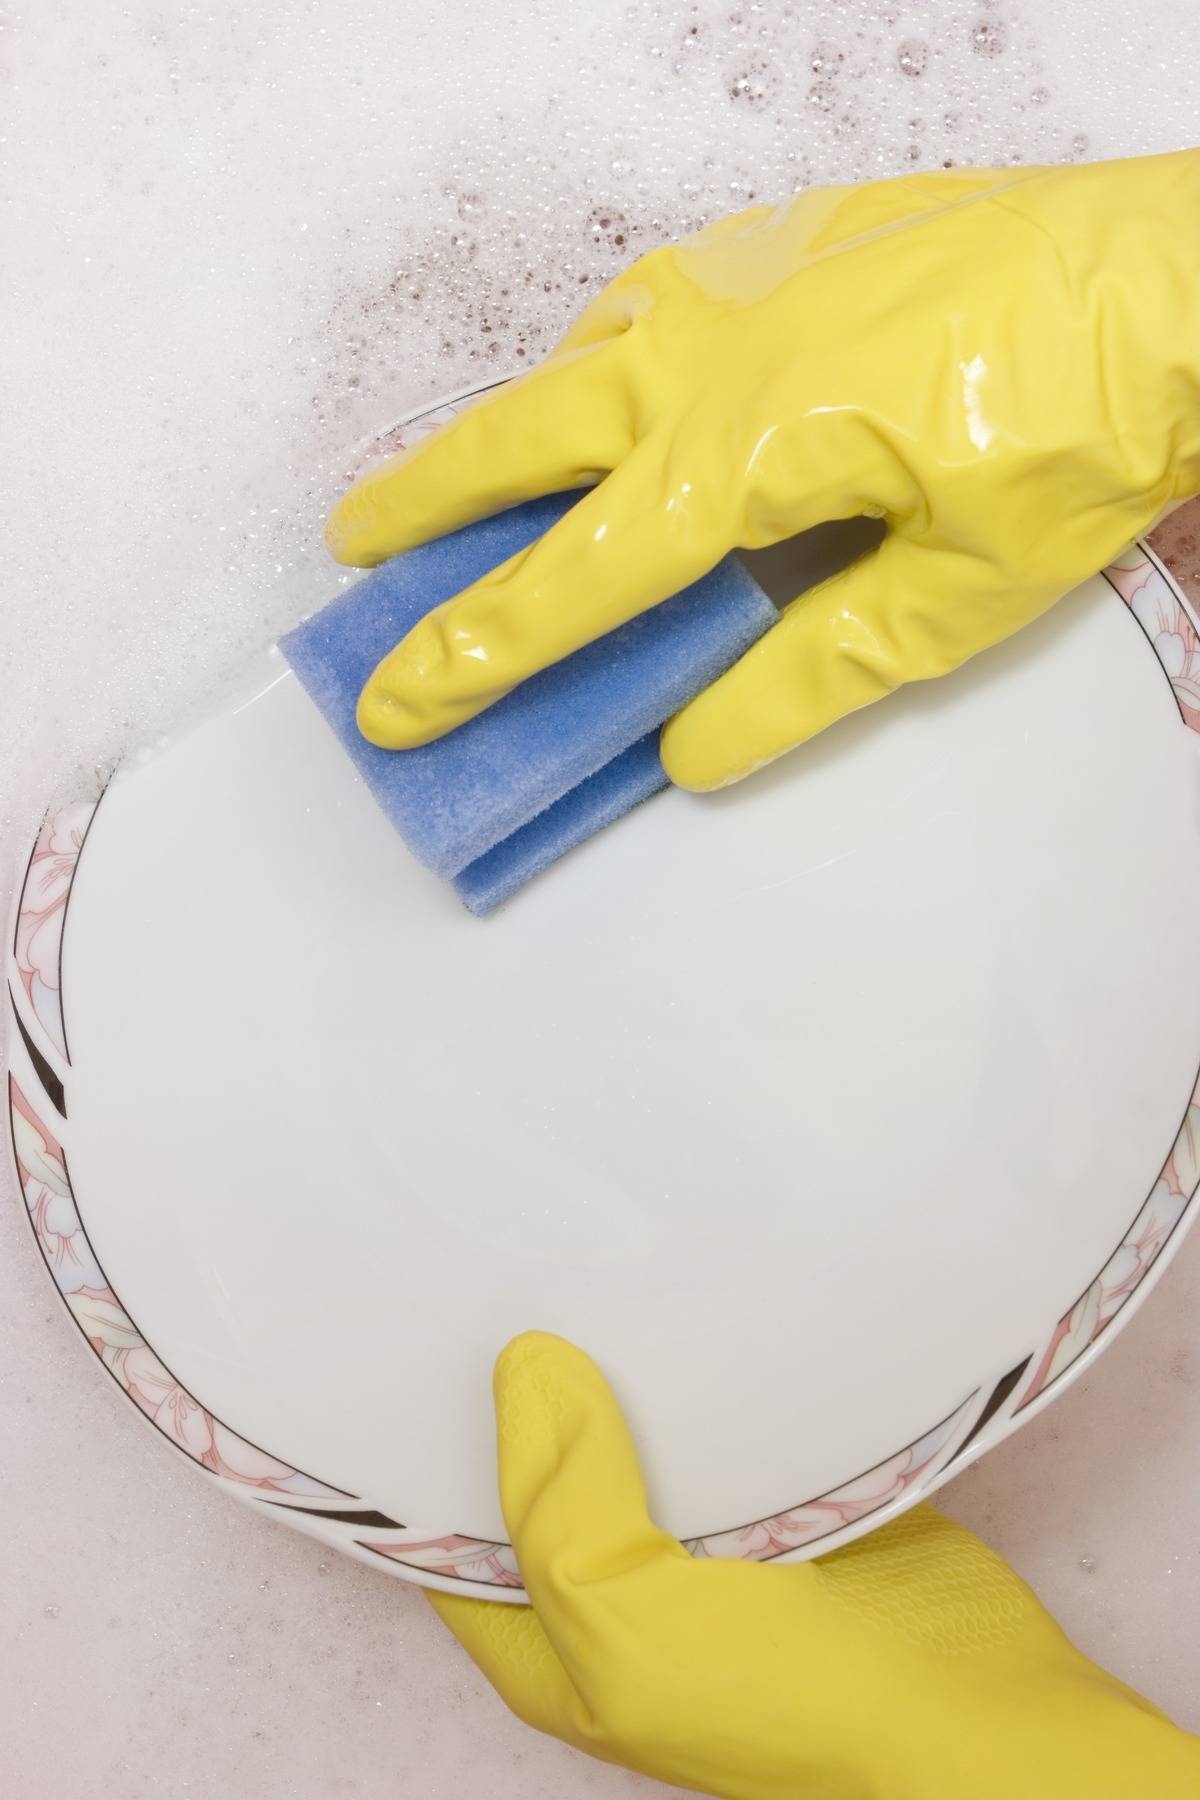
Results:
x,y
912,56
989,37
753,86
606,226
826,59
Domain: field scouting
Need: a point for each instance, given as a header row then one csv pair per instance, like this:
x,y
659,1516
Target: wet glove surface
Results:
x,y
1003,365
912,1665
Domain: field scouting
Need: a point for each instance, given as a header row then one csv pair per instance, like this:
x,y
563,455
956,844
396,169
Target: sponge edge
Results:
x,y
456,799
613,790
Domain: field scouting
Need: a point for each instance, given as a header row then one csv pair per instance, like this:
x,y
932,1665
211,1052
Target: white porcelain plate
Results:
x,y
842,1116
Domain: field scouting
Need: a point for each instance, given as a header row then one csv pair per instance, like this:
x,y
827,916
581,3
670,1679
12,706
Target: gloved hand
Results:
x,y
1002,364
913,1665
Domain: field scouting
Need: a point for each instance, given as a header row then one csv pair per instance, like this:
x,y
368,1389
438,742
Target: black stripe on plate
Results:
x,y
52,1087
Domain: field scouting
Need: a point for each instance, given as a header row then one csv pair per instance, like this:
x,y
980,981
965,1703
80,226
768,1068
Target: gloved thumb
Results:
x,y
575,1505
570,1483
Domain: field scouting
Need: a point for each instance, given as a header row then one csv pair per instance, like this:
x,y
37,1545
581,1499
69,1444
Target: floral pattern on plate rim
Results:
x,y
474,1560
42,1171
112,1334
37,947
1138,1250
1147,591
1151,597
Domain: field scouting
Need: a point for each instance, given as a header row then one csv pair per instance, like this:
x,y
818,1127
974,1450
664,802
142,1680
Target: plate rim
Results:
x,y
39,1061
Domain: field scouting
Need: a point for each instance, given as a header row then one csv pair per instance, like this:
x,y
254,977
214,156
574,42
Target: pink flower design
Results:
x,y
110,1331
1162,615
1132,1260
43,907
179,1416
846,1505
51,1204
1164,618
457,1558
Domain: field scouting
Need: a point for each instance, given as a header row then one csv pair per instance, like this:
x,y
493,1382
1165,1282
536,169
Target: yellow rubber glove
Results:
x,y
1002,364
913,1665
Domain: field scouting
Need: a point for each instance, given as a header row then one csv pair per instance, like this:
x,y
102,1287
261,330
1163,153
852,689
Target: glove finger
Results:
x,y
642,1630
574,1502
562,425
571,1485
620,550
900,614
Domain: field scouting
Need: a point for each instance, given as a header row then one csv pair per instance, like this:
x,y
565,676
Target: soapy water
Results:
x,y
243,240
239,242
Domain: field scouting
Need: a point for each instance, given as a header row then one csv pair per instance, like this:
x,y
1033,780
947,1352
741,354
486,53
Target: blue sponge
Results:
x,y
563,754
621,784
